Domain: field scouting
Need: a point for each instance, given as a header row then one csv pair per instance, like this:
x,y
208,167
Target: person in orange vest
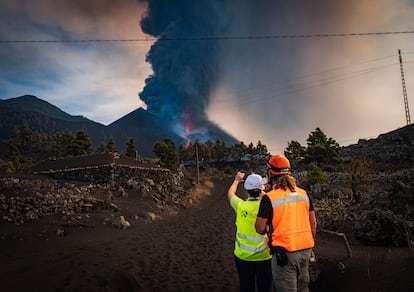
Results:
x,y
251,252
287,215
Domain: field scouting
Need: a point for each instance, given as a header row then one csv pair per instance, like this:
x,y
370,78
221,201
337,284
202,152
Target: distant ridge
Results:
x,y
34,104
43,117
145,128
392,150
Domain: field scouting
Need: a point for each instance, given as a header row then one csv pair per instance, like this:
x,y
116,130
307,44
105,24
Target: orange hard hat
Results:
x,y
278,164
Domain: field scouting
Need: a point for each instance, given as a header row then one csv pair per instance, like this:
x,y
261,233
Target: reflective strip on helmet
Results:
x,y
251,248
291,199
282,170
252,237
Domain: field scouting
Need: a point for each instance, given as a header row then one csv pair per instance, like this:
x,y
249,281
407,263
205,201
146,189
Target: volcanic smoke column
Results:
x,y
184,71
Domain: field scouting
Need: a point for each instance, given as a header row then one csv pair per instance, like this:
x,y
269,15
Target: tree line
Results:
x,y
27,147
171,156
321,152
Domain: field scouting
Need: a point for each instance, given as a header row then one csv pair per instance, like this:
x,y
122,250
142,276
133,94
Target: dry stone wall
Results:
x,y
73,192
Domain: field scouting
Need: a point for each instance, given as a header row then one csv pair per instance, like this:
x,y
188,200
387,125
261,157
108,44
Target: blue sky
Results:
x,y
270,89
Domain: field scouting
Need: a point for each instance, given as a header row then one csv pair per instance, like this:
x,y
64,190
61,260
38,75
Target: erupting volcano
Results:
x,y
184,72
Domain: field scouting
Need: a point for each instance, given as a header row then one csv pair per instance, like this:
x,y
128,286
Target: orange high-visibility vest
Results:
x,y
291,226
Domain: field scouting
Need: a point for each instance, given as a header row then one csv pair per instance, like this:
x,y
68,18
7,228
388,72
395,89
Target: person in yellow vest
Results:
x,y
251,252
286,213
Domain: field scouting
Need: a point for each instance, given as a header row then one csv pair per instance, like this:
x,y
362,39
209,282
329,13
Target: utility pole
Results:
x,y
407,110
198,170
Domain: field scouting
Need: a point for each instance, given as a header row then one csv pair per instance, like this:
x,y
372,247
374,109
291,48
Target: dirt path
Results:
x,y
188,252
192,251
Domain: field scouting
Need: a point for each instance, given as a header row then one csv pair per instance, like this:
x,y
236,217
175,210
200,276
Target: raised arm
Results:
x,y
233,188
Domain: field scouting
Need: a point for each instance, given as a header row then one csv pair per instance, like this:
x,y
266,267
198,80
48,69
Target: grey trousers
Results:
x,y
293,277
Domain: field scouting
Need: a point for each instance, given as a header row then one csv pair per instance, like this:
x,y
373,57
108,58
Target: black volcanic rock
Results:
x,y
392,150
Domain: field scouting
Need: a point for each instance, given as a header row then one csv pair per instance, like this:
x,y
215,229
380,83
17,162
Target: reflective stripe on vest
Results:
x,y
250,248
252,238
292,199
291,226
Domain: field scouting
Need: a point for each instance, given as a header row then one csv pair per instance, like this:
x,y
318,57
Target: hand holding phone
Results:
x,y
240,176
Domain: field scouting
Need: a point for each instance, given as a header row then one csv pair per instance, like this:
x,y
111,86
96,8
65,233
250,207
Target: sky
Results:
x,y
270,71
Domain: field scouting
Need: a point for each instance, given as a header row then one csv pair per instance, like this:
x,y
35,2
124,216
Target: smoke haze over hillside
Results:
x,y
261,70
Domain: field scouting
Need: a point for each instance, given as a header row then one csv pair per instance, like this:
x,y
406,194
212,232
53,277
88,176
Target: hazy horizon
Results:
x,y
272,71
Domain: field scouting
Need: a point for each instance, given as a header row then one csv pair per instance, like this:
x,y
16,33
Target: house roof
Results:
x,y
88,161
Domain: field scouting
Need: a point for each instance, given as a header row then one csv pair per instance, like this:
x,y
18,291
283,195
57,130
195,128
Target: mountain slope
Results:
x,y
42,117
141,123
33,104
392,150
145,128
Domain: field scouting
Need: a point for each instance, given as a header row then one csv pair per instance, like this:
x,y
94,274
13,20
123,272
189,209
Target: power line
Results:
x,y
321,82
305,85
213,38
281,84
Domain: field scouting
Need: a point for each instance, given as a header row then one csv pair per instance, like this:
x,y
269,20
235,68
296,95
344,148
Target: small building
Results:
x,y
104,169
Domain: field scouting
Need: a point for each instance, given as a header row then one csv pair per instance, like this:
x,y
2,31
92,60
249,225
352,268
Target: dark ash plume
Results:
x,y
184,72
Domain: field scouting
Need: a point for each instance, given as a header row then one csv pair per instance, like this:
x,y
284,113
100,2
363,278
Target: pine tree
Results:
x,y
166,152
321,150
102,148
15,157
261,151
61,144
220,149
316,176
295,152
81,144
112,148
238,151
131,150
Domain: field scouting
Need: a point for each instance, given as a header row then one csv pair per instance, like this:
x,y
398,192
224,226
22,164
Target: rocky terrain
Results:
x,y
107,224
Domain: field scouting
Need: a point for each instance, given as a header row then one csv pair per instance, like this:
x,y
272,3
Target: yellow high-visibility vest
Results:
x,y
249,245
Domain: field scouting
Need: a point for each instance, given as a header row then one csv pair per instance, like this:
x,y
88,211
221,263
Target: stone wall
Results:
x,y
77,191
113,175
161,183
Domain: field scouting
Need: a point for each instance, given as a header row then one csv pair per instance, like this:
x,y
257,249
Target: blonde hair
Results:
x,y
285,182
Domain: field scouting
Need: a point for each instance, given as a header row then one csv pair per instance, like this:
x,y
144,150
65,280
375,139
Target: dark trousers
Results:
x,y
251,273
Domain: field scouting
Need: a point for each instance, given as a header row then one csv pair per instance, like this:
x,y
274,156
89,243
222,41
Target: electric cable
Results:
x,y
214,38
